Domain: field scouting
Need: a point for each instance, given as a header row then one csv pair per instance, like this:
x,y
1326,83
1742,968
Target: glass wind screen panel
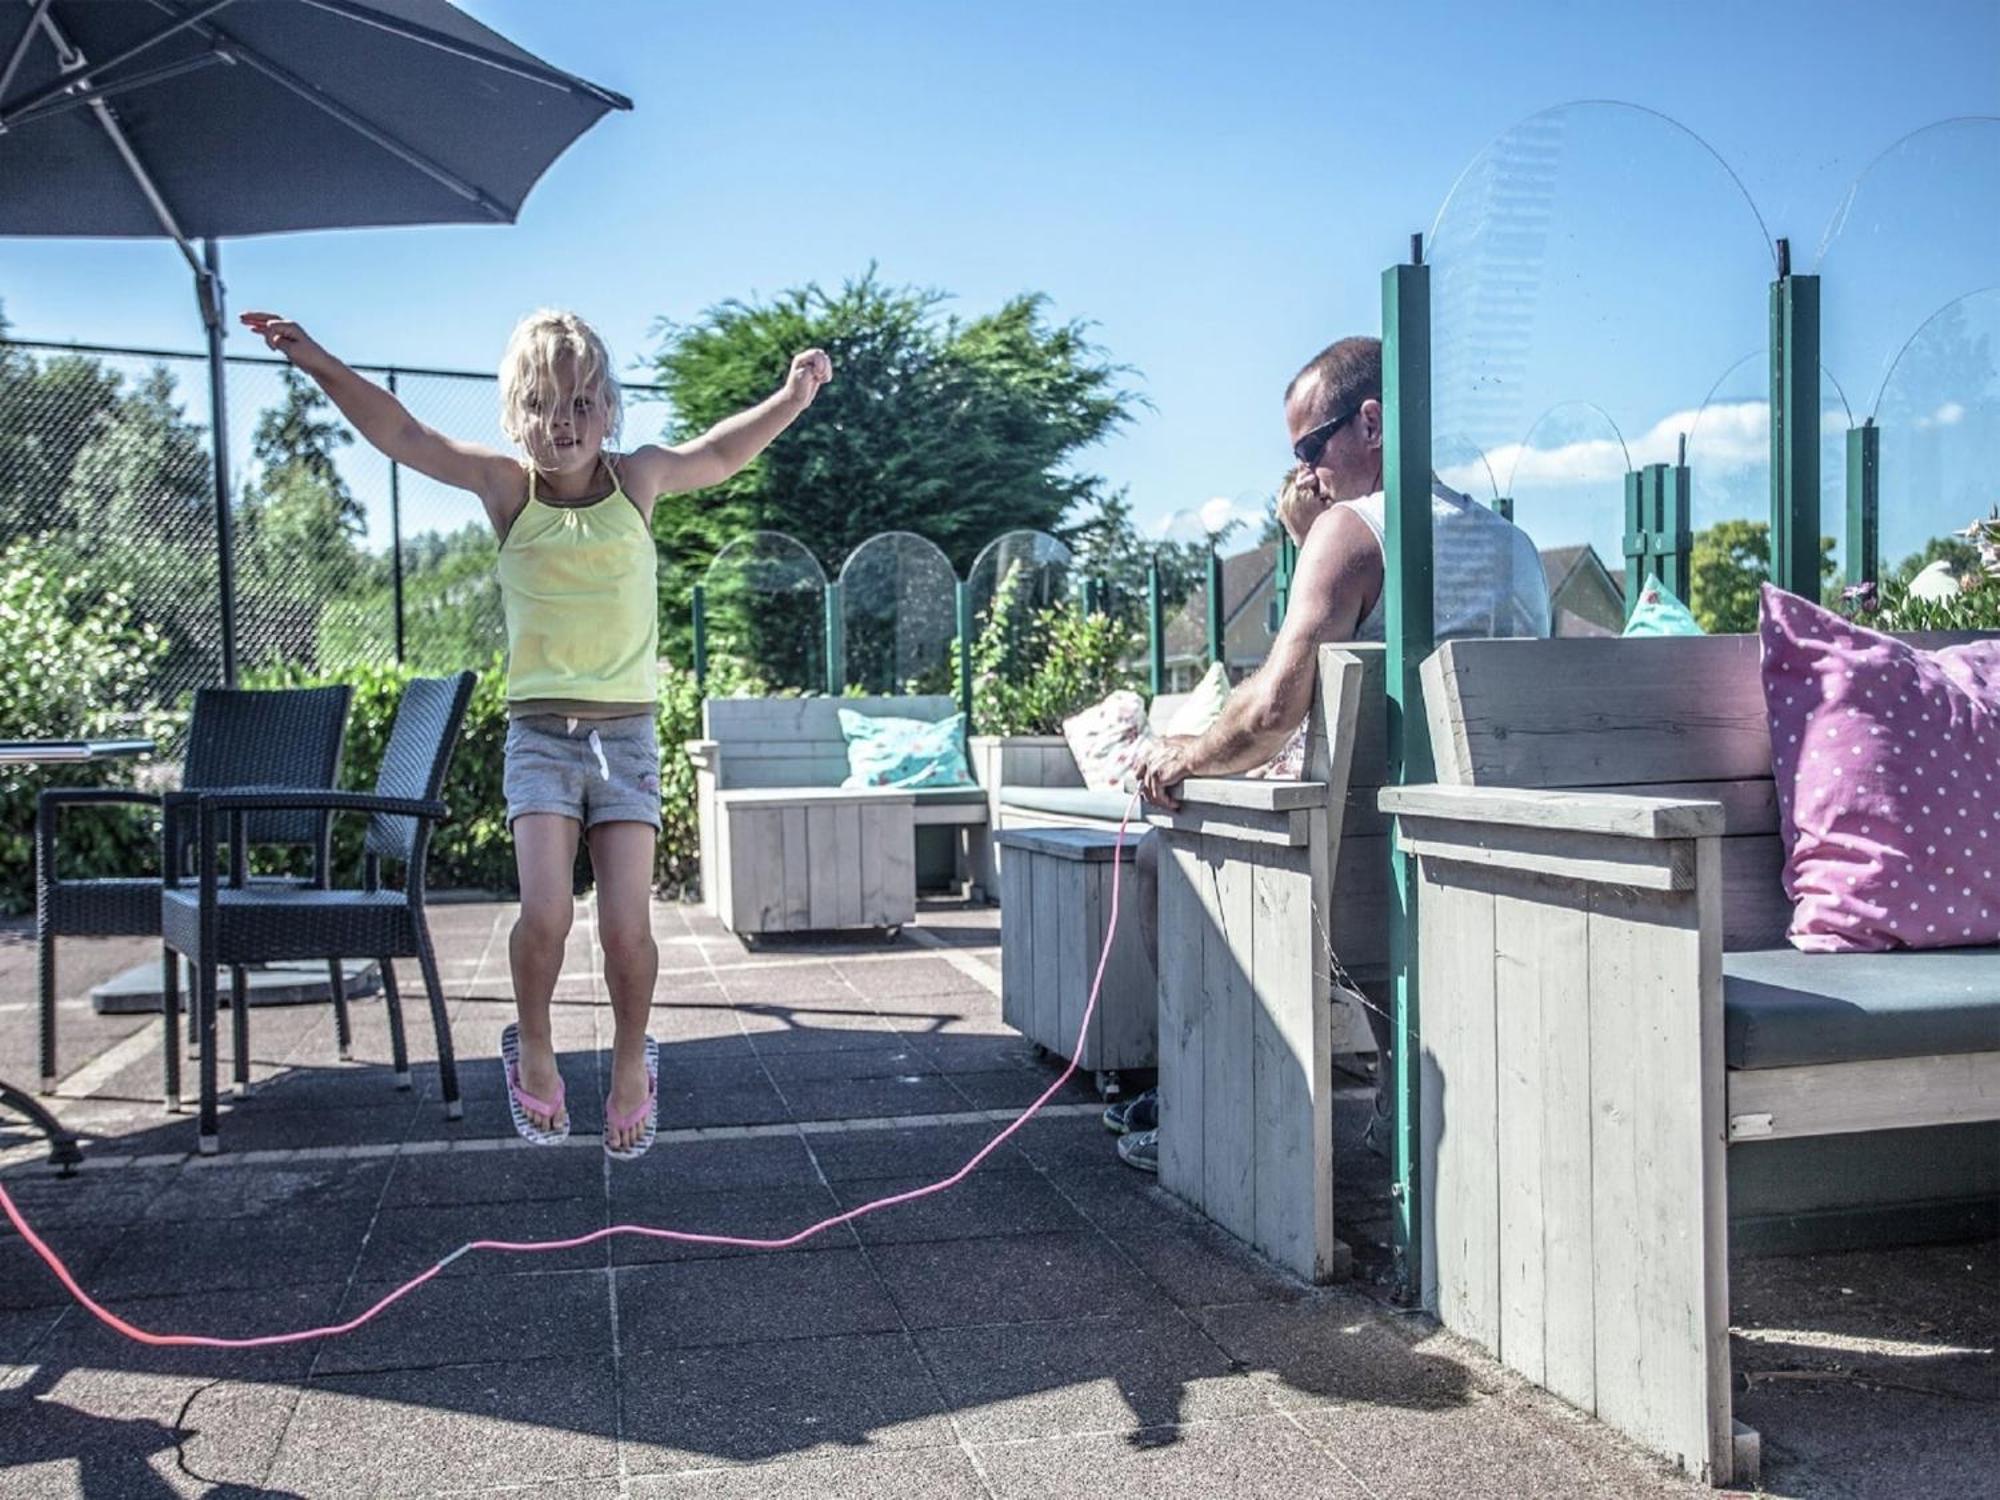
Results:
x,y
1601,261
765,598
1918,229
1940,418
898,603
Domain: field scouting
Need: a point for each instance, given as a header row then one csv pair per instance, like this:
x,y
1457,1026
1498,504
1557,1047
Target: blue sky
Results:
x,y
1216,188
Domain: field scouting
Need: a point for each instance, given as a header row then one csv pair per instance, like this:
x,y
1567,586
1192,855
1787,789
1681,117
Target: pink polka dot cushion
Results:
x,y
1886,759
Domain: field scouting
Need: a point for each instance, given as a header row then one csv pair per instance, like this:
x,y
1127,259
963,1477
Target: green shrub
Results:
x,y
1027,680
76,660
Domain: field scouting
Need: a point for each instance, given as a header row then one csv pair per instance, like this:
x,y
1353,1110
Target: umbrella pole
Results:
x,y
208,289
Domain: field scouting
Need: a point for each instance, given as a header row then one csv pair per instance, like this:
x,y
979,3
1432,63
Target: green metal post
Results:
x,y
836,644
1794,429
1156,632
1675,548
1637,536
1214,604
1864,504
962,605
1505,505
1410,627
1288,566
700,611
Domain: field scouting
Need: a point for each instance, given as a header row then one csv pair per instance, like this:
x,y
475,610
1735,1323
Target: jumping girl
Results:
x,y
578,581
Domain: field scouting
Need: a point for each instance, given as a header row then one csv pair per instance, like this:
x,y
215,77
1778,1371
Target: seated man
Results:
x,y
1487,580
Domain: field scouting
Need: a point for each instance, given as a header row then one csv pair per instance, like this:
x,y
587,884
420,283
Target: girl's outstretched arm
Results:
x,y
387,424
734,441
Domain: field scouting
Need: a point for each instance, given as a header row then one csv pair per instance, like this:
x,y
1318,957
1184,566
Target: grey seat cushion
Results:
x,y
1066,801
1783,1008
949,796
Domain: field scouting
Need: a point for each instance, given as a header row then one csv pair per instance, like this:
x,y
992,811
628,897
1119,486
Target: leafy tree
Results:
x,y
1109,546
1728,563
955,429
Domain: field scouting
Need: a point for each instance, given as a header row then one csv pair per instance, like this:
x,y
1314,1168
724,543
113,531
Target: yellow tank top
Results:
x,y
579,586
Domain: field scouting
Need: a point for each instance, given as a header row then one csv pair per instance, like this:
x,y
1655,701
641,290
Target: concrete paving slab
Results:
x,y
746,1299
873,1098
403,1432
512,1176
934,1473
274,1250
1019,1279
1123,1373
716,1166
747,1403
475,1320
744,1213
983,1205
1251,1458
405,1242
930,1152
79,1341
222,1188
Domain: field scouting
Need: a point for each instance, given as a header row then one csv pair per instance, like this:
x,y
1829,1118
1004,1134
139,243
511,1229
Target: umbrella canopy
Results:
x,y
241,117
202,119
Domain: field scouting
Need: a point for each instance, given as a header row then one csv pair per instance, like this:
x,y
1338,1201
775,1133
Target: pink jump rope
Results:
x,y
527,1247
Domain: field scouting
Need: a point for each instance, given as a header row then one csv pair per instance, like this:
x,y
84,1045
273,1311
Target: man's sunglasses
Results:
x,y
1308,448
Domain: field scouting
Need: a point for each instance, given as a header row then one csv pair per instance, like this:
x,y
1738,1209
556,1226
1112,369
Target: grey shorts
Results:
x,y
592,770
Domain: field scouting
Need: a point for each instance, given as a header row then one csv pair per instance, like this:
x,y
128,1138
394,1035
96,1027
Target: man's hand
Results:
x,y
1163,764
810,370
290,340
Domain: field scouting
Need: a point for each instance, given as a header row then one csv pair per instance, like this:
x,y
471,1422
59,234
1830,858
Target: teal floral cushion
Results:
x,y
904,752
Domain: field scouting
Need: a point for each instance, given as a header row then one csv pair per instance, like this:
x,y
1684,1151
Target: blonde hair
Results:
x,y
529,382
1297,511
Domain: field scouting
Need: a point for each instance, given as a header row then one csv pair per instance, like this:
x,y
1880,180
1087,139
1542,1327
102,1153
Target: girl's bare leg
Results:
x,y
621,855
545,854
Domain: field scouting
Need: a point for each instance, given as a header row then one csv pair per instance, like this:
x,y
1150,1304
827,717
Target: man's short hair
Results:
x,y
1344,374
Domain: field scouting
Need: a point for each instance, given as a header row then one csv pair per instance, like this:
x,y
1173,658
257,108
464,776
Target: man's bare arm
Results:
x,y
1339,576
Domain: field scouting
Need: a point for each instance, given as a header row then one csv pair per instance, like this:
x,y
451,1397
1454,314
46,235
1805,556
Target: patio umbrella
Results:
x,y
202,119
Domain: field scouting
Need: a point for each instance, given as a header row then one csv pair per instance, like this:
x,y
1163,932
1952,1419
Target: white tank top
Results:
x,y
1486,576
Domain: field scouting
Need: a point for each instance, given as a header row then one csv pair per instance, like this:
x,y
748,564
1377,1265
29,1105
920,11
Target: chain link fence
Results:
x,y
342,560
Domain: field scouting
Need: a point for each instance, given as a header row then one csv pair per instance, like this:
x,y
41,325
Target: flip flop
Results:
x,y
520,1101
649,1111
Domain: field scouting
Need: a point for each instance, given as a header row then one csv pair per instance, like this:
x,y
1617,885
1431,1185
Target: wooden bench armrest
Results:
x,y
706,754
1610,814
1247,812
1251,794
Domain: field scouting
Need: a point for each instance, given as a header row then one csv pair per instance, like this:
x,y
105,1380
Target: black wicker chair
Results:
x,y
212,922
235,738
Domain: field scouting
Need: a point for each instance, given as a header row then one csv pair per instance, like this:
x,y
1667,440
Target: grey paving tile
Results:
x,y
1022,1278
715,1165
275,1250
929,1151
404,1432
103,1196
923,978
475,1320
1017,1088
1199,1265
746,1403
698,1102
20,1330
1864,1432
743,1299
951,1053
1086,1374
772,1031
255,1124
933,1473
873,1098
1068,1143
1252,1458
985,1204
80,1341
331,1085
896,1058
406,1242
1334,1348
118,1433
571,1171
224,1188
26,1280
1486,1449
742,1213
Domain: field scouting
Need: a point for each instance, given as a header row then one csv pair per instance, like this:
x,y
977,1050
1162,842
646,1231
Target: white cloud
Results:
x,y
1948,415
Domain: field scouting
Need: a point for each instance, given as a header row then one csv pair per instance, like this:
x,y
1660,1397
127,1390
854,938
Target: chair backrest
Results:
x,y
416,759
1357,918
289,738
1661,716
778,742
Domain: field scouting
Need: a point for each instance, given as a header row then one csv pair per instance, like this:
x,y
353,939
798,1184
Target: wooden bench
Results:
x,y
1032,781
772,743
1607,1003
1267,891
